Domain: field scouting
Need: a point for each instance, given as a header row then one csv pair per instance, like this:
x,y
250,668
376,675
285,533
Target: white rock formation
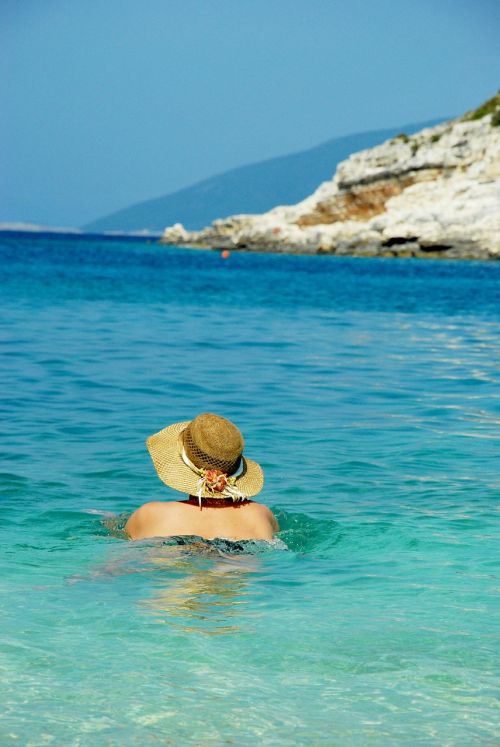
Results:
x,y
435,193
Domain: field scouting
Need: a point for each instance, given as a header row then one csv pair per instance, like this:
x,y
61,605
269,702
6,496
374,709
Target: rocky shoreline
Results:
x,y
434,194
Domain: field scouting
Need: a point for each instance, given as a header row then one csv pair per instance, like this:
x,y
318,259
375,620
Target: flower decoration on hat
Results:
x,y
217,484
216,481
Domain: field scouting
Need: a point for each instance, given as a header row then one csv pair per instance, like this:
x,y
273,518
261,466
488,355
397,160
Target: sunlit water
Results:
x,y
367,389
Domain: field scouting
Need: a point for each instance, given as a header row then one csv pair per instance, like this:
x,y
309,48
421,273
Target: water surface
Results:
x,y
367,389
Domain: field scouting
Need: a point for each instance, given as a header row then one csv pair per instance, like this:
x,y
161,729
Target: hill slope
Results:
x,y
255,188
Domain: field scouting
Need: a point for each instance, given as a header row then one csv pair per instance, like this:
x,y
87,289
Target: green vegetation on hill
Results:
x,y
491,106
249,189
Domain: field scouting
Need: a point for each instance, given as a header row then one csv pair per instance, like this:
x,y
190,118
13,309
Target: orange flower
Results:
x,y
216,480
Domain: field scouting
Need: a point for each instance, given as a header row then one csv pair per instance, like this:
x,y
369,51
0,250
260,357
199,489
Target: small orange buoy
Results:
x,y
225,254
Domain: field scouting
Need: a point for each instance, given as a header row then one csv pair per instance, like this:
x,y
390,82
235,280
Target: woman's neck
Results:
x,y
210,502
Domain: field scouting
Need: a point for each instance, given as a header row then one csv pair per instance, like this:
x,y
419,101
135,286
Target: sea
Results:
x,y
368,390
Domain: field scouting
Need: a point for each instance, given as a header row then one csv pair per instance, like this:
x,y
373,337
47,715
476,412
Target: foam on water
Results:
x,y
368,390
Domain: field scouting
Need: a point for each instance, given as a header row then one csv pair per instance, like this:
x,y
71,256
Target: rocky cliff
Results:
x,y
436,193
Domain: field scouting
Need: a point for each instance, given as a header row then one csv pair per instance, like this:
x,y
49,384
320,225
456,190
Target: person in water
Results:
x,y
203,458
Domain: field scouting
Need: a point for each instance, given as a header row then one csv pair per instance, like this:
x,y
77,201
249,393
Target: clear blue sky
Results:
x,y
109,102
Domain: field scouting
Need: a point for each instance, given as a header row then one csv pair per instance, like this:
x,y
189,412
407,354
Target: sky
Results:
x,y
105,104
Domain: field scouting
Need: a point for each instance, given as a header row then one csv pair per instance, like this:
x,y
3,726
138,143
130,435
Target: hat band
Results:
x,y
200,470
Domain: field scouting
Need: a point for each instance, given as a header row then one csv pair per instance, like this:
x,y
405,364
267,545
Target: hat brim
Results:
x,y
165,449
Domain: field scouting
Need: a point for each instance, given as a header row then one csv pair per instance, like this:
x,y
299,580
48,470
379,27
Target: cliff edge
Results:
x,y
435,193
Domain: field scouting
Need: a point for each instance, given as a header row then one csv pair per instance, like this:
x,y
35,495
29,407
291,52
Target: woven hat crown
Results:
x,y
212,442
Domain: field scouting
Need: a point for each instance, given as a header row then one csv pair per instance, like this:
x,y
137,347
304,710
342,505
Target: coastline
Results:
x,y
452,254
434,194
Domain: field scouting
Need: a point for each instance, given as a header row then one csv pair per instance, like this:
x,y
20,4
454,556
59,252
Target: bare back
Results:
x,y
247,520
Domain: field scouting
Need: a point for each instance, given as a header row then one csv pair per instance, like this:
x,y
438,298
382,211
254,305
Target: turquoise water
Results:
x,y
367,389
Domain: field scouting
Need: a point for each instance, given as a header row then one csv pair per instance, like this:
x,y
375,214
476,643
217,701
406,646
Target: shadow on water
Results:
x,y
203,595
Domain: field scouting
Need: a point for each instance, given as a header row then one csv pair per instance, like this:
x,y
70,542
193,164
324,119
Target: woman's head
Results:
x,y
204,457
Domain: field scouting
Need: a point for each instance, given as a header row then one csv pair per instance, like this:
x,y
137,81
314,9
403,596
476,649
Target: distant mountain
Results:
x,y
255,188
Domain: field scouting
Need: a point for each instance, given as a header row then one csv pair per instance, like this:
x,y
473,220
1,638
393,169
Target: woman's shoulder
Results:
x,y
146,517
158,517
264,513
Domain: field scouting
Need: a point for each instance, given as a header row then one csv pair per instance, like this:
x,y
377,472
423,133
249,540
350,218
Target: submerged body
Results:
x,y
234,521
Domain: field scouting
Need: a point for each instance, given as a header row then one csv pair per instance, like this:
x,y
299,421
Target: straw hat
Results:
x,y
204,457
